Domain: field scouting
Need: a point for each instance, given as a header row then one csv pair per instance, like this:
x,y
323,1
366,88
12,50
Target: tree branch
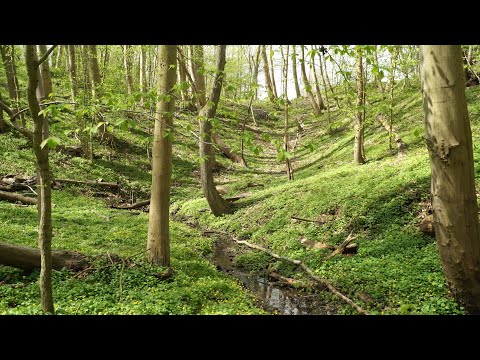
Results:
x,y
25,132
45,56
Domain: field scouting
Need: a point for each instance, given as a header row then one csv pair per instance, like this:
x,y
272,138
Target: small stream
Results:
x,y
274,297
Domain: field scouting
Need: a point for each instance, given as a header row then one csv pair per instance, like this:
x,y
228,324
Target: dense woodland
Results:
x,y
239,179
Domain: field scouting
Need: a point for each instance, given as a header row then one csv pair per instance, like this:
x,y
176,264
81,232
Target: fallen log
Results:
x,y
289,281
89,182
14,197
225,149
343,246
132,206
238,197
28,258
305,268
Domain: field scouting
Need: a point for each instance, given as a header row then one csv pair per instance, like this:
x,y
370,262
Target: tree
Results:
x,y
266,72
45,73
158,243
320,102
43,182
143,75
294,71
318,52
308,87
449,141
391,81
8,59
358,155
285,99
94,70
217,204
127,63
272,75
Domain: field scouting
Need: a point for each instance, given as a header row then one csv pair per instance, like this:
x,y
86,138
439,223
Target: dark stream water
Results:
x,y
274,297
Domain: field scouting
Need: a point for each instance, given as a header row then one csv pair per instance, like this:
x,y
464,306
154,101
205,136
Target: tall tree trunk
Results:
x,y
378,80
449,140
285,95
45,72
323,61
3,124
8,60
266,72
294,71
391,81
324,86
127,63
306,84
94,71
198,76
321,105
72,72
256,65
143,75
358,122
44,188
272,75
158,225
217,204
57,58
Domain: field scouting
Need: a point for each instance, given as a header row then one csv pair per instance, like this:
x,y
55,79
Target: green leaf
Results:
x,y
416,133
51,142
266,137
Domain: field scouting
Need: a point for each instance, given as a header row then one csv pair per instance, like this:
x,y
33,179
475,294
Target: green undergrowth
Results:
x,y
396,265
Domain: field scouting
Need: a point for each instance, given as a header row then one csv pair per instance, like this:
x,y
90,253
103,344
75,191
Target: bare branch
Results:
x,y
45,56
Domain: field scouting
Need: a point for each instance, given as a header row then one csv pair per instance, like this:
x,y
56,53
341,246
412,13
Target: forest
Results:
x,y
239,179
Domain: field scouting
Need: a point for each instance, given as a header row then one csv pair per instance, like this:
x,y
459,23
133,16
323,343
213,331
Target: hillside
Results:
x,y
396,269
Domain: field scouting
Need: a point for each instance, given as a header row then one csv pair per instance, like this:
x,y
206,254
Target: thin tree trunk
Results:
x,y
449,140
285,95
358,122
57,59
217,204
3,125
266,72
308,87
72,72
325,87
378,80
45,72
321,105
255,72
44,188
294,71
94,71
8,60
127,63
393,66
143,75
324,62
158,244
272,75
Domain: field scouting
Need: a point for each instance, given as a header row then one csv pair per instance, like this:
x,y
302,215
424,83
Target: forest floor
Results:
x,y
395,271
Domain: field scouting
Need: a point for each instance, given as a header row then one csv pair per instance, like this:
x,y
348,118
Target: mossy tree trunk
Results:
x,y
454,201
306,84
266,72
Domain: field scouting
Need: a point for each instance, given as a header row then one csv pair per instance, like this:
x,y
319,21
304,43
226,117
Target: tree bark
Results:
x,y
28,258
266,72
158,243
321,104
294,71
45,72
358,122
127,63
449,140
94,70
143,75
44,179
376,75
324,86
324,62
227,151
308,87
393,66
217,204
8,59
285,95
272,75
